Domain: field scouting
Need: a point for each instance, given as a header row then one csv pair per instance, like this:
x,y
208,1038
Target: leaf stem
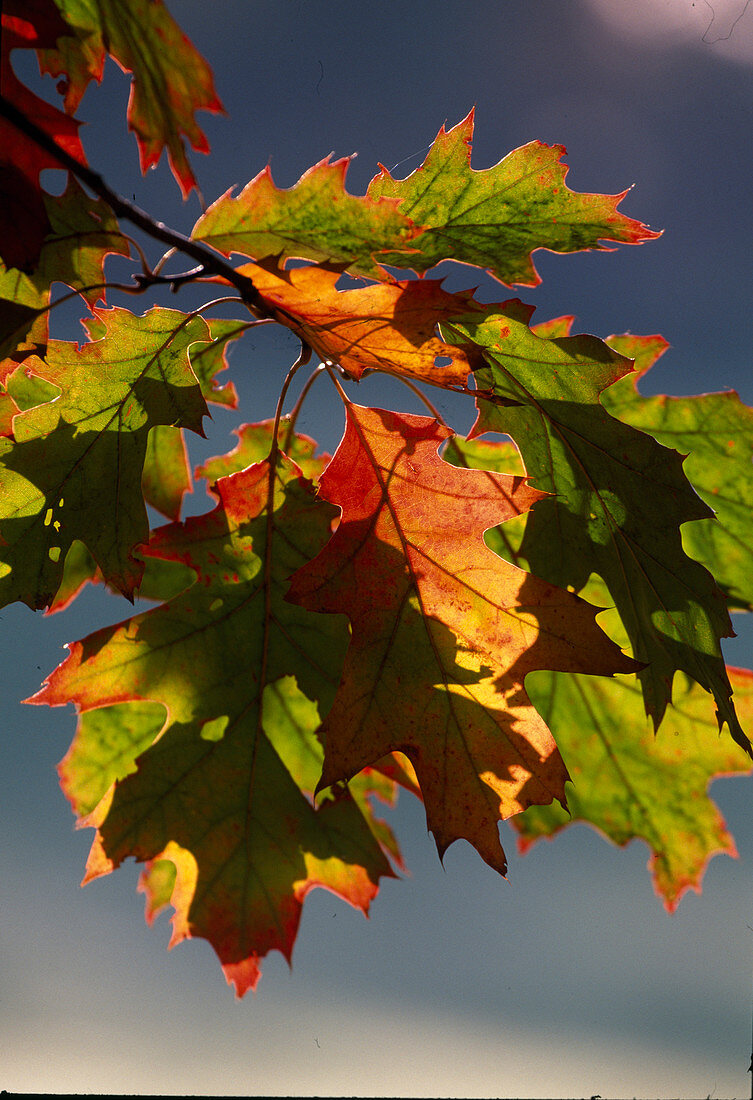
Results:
x,y
274,451
422,397
316,372
336,382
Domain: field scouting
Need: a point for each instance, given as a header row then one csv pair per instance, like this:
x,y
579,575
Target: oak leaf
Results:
x,y
23,219
171,81
315,220
389,326
73,469
166,475
630,782
715,431
618,499
443,631
242,677
495,218
82,232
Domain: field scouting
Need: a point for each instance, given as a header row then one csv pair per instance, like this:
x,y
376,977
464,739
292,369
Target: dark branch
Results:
x,y
209,260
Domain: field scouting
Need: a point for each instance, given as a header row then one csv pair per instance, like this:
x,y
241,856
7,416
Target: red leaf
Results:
x,y
443,631
23,219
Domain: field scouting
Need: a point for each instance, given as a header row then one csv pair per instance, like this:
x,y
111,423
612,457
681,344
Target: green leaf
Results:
x,y
74,469
171,81
209,360
629,782
715,430
618,500
254,442
495,218
243,677
315,220
83,232
167,476
108,741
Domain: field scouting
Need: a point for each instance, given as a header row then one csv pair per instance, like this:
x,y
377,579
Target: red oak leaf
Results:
x,y
444,632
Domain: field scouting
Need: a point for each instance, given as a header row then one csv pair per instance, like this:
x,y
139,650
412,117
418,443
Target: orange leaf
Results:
x,y
386,326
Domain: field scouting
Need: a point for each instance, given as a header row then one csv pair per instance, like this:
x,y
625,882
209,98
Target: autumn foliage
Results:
x,y
522,624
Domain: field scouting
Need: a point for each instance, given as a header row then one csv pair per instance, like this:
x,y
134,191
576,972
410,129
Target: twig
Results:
x,y
299,403
274,451
203,255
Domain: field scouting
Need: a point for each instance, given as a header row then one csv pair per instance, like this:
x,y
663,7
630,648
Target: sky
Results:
x,y
568,978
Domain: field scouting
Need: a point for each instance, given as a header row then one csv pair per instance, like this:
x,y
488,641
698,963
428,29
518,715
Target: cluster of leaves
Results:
x,y
336,628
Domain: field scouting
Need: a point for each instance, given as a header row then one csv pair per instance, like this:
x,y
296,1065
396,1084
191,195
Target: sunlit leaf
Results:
x,y
444,631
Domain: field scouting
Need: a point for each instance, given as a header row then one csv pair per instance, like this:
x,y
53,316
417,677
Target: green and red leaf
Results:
x,y
73,469
315,220
496,218
630,782
171,81
715,431
388,326
617,499
225,790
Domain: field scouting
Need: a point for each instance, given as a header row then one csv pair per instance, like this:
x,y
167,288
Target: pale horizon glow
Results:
x,y
725,28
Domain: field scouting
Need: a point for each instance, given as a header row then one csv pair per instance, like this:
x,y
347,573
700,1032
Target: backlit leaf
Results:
x,y
254,442
82,233
314,220
495,218
171,81
384,326
444,631
630,782
618,500
242,676
23,219
74,469
715,430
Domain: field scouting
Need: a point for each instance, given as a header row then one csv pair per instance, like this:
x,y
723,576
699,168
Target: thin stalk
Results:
x,y
422,397
334,379
274,451
316,372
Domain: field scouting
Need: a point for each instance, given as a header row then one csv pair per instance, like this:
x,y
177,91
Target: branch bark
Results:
x,y
210,260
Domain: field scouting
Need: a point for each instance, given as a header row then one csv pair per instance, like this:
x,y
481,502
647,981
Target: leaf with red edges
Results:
x,y
617,498
443,631
23,219
254,442
83,232
317,220
73,469
495,218
171,81
631,783
224,792
715,431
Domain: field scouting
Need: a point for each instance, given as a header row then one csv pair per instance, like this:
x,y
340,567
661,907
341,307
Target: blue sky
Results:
x,y
568,979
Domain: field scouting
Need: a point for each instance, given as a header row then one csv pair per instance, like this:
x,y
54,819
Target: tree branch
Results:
x,y
210,260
